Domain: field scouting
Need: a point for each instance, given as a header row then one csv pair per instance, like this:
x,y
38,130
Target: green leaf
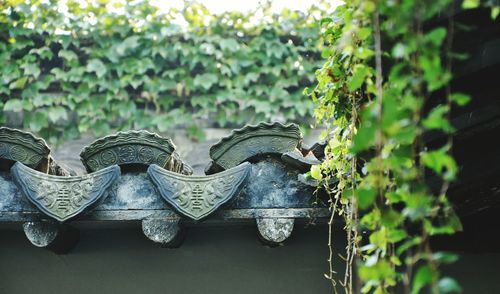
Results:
x,y
15,105
38,121
469,4
436,36
129,43
441,163
68,55
205,80
230,45
365,196
57,112
448,285
97,66
31,69
437,120
360,72
460,99
316,172
19,83
445,257
422,278
495,11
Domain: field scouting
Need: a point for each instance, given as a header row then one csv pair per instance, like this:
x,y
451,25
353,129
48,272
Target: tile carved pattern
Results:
x,y
132,147
21,146
63,198
253,140
198,196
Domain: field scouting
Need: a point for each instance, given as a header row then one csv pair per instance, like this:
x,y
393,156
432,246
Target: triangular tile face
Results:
x,y
62,198
198,196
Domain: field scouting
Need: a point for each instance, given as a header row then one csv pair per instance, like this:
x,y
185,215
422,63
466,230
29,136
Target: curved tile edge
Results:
x,y
197,197
63,198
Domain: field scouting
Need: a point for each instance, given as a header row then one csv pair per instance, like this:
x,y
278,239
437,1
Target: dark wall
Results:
x,y
212,260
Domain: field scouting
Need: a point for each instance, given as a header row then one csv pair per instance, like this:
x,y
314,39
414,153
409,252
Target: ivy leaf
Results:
x,y
366,197
445,257
68,55
129,43
230,45
440,162
460,99
205,80
207,48
316,172
495,11
469,4
360,72
436,36
436,119
19,83
57,112
395,236
423,277
448,285
251,77
97,66
31,69
38,121
15,105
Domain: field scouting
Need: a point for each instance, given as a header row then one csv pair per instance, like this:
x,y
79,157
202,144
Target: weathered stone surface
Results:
x,y
133,191
164,232
125,148
198,196
275,230
62,198
12,199
272,184
58,238
271,190
41,233
250,141
23,147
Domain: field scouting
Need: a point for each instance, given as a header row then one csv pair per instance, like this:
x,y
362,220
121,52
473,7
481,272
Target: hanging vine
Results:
x,y
385,84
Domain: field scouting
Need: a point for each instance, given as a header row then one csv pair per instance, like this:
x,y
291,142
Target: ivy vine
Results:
x,y
100,65
385,84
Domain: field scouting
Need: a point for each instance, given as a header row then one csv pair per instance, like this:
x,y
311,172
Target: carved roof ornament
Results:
x,y
197,197
297,160
317,149
132,147
63,198
23,147
253,140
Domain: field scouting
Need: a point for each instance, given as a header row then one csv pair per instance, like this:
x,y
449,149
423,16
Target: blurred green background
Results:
x,y
104,66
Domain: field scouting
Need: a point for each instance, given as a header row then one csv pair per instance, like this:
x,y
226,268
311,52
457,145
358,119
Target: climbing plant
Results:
x,y
385,84
101,65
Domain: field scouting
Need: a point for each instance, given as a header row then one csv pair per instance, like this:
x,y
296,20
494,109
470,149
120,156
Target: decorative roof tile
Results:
x,y
131,147
63,198
254,140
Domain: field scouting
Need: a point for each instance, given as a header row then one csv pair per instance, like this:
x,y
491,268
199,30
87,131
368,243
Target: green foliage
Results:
x,y
376,120
108,65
